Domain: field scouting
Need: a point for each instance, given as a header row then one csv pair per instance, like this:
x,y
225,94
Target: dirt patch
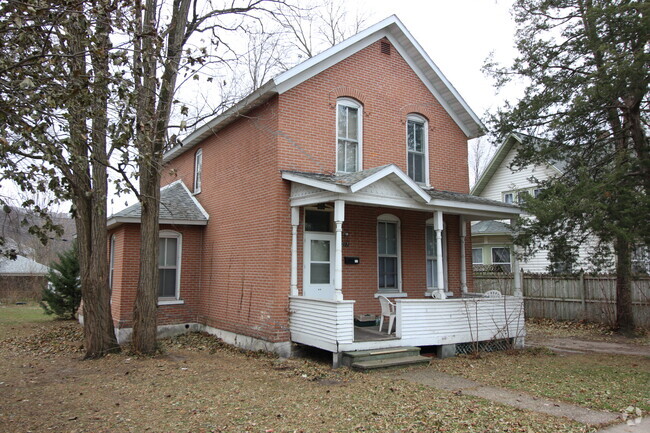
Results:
x,y
578,345
579,337
198,384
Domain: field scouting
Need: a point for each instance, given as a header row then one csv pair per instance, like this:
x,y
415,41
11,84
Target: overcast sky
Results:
x,y
458,35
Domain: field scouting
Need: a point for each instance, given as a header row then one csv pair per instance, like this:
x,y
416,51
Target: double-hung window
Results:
x,y
416,138
169,264
501,258
477,256
111,263
388,250
198,168
348,136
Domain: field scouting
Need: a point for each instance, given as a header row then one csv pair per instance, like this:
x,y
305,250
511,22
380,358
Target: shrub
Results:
x,y
63,294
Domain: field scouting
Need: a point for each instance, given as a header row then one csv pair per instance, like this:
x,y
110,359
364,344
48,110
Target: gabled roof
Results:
x,y
22,266
177,206
508,144
353,182
353,187
491,227
391,28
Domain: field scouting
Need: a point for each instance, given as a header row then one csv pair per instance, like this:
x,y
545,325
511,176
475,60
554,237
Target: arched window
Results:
x,y
198,168
388,253
349,115
111,263
417,144
169,264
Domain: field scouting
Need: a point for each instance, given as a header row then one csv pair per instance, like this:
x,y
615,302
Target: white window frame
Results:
x,y
416,118
198,170
170,234
482,262
351,103
501,263
111,263
512,197
390,218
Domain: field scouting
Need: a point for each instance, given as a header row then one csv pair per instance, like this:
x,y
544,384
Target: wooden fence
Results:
x,y
583,297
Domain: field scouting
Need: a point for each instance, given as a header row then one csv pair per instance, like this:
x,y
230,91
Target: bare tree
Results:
x,y
319,25
480,153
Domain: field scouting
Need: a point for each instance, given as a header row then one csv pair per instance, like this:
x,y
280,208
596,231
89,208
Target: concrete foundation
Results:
x,y
446,351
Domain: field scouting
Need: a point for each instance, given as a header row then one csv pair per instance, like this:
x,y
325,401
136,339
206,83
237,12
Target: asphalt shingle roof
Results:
x,y
176,203
348,179
491,227
21,266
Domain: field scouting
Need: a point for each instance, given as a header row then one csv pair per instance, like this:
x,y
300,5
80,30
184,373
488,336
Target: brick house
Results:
x,y
339,181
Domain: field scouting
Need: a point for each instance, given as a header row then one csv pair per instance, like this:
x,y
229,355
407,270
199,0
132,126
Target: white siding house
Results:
x,y
499,182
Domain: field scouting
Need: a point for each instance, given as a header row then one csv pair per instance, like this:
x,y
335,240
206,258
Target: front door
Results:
x,y
318,272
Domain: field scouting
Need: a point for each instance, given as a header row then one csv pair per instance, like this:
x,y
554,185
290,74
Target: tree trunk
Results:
x,y
145,312
90,189
153,121
624,317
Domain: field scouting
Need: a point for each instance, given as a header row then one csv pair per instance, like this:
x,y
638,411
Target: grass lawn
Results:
x,y
198,384
30,313
598,381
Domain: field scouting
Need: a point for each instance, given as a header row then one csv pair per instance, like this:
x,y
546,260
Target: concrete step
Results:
x,y
390,362
350,358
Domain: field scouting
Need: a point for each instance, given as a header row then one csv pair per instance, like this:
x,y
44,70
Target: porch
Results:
x,y
329,324
377,233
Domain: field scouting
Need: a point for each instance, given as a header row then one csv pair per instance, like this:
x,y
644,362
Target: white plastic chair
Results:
x,y
492,294
387,310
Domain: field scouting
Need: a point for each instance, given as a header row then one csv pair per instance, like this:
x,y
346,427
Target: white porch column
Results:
x,y
339,217
295,221
515,269
463,267
437,227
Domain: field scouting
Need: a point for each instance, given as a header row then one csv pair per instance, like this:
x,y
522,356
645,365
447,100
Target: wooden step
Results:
x,y
390,362
350,358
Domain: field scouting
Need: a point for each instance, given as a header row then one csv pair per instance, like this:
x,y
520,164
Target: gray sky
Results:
x,y
458,35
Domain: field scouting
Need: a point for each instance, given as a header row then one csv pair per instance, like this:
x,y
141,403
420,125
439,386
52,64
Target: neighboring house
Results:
x,y
499,182
22,278
338,181
491,240
491,246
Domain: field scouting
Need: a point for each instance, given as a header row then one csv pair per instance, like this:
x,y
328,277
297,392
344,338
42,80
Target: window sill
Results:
x,y
170,301
391,294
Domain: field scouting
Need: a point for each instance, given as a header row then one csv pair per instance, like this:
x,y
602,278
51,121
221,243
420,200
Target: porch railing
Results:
x,y
321,323
329,324
463,320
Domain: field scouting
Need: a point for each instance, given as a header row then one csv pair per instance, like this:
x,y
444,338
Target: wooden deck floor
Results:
x,y
371,333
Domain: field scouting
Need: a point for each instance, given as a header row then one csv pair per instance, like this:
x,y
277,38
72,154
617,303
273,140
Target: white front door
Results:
x,y
318,272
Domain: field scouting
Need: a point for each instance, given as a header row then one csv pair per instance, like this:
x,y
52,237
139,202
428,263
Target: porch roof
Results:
x,y
177,206
389,186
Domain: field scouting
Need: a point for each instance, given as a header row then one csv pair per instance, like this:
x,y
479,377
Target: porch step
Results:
x,y
382,358
390,362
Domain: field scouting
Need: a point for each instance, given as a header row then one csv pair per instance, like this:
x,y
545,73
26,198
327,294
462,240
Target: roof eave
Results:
x,y
253,100
114,222
496,160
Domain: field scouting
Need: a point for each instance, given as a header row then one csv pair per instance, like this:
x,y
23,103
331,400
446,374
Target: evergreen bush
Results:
x,y
62,295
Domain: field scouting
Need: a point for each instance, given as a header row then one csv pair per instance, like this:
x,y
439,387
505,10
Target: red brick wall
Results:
x,y
245,277
125,275
388,90
245,253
